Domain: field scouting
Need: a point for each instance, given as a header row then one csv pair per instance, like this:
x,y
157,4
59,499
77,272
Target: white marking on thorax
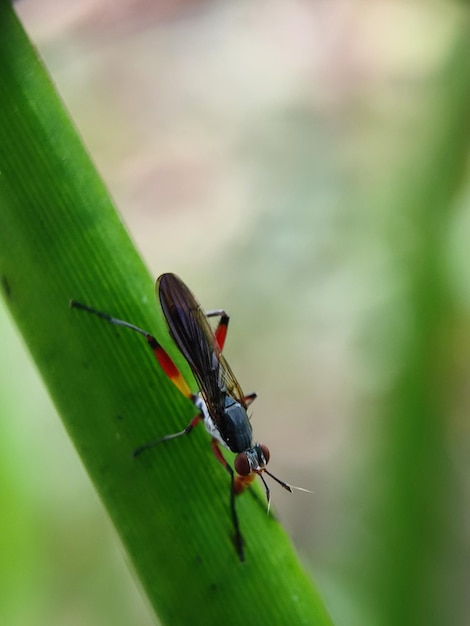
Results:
x,y
208,421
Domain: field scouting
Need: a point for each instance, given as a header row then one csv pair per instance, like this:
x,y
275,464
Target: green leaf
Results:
x,y
60,238
407,569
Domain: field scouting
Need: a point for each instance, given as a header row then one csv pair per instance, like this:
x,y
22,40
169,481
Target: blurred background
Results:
x,y
305,166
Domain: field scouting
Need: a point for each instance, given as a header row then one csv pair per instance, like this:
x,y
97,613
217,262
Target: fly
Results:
x,y
220,403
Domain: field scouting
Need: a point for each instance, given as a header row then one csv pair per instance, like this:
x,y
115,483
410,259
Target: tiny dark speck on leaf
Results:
x,y
6,287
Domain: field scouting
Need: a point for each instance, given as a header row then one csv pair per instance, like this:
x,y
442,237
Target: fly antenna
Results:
x,y
286,486
278,480
301,489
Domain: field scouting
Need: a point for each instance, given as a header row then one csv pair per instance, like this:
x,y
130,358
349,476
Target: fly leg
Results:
x,y
251,397
222,327
220,334
196,419
167,365
173,373
237,539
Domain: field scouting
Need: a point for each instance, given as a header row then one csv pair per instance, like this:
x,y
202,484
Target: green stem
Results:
x,y
60,238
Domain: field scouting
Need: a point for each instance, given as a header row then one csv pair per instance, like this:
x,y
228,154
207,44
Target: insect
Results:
x,y
220,404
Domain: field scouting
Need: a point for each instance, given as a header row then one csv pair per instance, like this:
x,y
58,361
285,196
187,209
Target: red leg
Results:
x,y
163,357
242,482
221,334
251,397
167,365
221,330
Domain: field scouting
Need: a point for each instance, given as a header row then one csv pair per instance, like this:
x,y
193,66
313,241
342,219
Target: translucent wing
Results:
x,y
195,339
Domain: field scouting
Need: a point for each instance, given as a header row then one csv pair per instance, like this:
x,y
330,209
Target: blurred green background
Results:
x,y
305,166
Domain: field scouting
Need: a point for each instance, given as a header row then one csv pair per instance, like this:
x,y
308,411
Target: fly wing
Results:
x,y
195,339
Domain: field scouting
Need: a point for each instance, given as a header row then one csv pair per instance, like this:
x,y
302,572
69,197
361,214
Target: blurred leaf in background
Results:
x,y
305,167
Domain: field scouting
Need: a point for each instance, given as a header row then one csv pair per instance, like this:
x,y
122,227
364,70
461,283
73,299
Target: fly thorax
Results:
x,y
235,426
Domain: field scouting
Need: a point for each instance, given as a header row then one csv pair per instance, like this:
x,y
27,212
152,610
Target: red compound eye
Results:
x,y
265,451
242,465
